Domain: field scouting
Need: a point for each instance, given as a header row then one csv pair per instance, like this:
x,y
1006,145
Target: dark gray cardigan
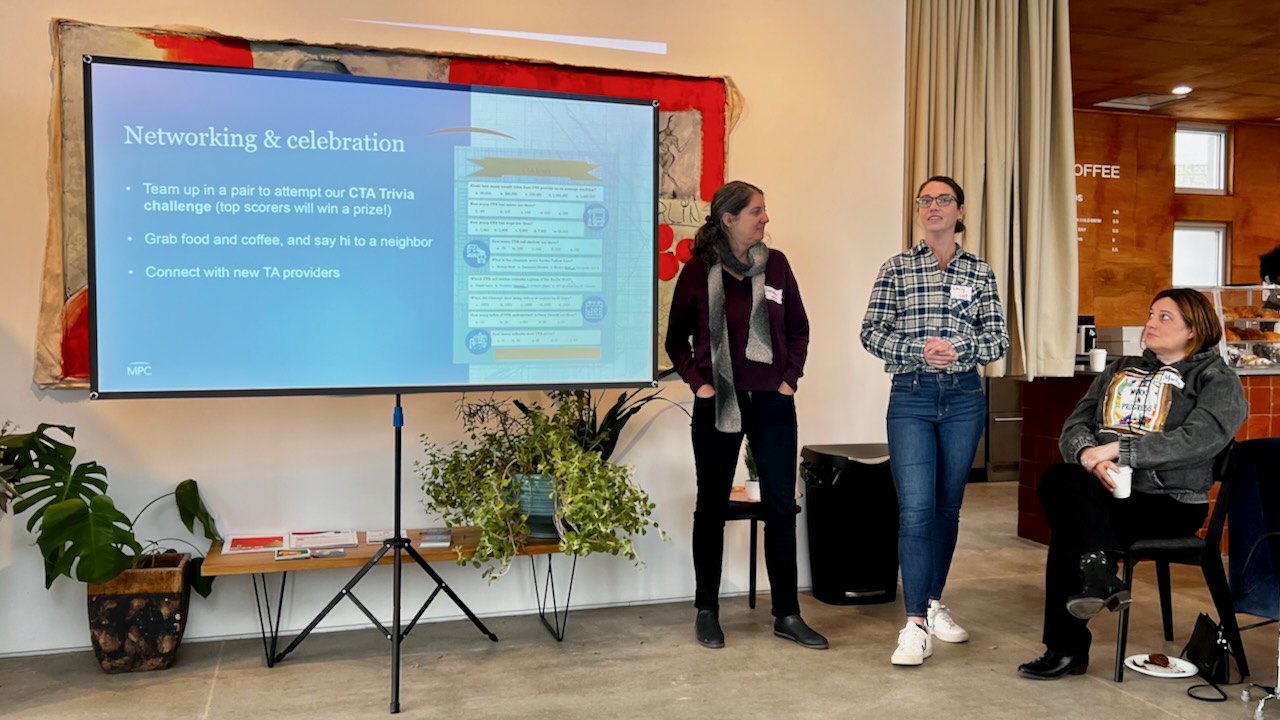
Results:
x,y
1203,416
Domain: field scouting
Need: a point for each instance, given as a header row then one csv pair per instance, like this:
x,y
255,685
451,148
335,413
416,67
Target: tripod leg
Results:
x,y
418,616
452,595
344,592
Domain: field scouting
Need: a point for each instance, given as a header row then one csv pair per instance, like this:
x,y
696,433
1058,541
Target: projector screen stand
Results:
x,y
396,545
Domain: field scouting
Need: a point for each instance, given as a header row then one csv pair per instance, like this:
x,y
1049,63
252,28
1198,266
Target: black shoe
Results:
x,y
1053,665
1102,589
792,627
707,628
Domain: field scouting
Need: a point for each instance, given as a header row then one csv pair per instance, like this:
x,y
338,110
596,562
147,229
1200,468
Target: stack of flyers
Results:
x,y
436,538
247,543
322,539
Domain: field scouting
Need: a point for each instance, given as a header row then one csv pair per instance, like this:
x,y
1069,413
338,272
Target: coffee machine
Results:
x,y
1086,340
1086,334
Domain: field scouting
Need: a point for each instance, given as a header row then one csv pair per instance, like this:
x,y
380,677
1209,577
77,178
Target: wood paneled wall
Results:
x,y
1255,214
1124,263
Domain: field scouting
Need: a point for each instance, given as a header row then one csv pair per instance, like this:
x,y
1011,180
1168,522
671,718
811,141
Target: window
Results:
x,y
1199,254
1200,158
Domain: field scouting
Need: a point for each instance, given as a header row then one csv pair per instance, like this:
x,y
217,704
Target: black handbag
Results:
x,y
1210,652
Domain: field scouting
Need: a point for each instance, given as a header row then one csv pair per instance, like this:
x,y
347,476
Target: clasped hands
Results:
x,y
1100,460
939,353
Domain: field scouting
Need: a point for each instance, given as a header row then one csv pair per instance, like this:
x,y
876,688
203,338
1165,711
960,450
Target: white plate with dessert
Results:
x,y
1160,665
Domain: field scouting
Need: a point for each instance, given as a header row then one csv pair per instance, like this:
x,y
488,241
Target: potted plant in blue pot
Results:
x,y
516,462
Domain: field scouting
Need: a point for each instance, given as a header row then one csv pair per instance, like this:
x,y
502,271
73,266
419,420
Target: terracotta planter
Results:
x,y
136,621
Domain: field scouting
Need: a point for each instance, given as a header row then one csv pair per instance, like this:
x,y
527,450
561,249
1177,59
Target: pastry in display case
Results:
x,y
1251,326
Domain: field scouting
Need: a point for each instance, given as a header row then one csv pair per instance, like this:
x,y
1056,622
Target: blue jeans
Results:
x,y
934,423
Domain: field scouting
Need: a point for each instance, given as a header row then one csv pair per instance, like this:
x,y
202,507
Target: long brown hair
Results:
x,y
1198,313
732,198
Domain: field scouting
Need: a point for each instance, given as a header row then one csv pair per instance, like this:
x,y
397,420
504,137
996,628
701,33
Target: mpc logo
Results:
x,y
140,368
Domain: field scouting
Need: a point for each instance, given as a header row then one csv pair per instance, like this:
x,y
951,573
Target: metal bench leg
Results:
x,y
559,621
268,627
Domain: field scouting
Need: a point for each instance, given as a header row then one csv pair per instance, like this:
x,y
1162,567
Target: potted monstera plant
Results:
x,y
480,481
138,590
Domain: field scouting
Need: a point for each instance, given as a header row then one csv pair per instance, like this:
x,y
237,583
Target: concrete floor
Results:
x,y
642,662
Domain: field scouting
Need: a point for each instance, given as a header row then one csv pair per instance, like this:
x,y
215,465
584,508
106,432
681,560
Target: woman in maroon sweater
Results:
x,y
738,335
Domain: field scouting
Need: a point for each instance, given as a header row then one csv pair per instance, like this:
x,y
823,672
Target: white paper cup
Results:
x,y
1098,359
753,491
1123,478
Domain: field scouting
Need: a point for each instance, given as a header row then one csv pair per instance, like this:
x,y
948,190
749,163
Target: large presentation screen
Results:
x,y
264,232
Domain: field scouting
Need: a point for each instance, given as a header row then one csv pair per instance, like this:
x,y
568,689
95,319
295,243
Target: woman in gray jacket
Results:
x,y
1159,418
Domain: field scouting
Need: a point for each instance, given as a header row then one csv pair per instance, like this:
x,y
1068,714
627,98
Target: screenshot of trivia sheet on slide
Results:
x,y
278,231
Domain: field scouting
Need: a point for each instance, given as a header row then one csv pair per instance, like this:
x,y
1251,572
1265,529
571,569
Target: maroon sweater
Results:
x,y
688,341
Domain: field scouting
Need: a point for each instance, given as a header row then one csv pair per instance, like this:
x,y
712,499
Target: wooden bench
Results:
x,y
260,564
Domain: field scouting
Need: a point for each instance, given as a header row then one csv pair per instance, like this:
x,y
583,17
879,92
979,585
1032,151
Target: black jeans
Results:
x,y
769,423
1084,517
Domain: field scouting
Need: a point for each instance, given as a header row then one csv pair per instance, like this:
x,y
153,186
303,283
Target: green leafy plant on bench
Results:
x,y
478,481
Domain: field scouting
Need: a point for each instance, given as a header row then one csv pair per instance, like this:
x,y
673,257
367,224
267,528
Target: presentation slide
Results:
x,y
274,232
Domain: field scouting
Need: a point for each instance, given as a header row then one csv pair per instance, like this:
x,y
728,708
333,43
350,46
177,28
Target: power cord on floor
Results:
x,y
1247,696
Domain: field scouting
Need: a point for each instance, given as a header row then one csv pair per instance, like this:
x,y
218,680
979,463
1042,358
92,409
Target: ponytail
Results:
x,y
731,198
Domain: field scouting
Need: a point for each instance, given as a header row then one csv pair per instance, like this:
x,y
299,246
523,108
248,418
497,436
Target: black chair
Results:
x,y
1190,550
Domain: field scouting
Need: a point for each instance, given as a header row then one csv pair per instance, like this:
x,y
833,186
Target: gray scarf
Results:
x,y
759,347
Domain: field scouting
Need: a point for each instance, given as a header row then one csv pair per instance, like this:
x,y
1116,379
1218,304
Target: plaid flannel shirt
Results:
x,y
913,299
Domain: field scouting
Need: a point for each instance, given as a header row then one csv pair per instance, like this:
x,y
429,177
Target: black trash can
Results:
x,y
852,511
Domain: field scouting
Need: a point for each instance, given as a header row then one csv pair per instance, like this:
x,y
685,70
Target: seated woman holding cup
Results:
x,y
1140,447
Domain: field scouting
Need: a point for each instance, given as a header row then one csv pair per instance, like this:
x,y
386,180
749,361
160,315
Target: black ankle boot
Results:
x,y
793,628
1053,665
1102,589
707,628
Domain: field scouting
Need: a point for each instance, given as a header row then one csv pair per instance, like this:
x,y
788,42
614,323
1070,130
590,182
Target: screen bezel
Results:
x,y
89,61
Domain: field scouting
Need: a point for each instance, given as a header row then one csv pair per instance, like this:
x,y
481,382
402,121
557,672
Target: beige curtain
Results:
x,y
989,103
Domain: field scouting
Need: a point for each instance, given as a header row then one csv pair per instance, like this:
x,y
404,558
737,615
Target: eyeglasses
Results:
x,y
943,200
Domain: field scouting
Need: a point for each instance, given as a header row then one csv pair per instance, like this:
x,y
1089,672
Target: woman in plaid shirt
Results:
x,y
934,316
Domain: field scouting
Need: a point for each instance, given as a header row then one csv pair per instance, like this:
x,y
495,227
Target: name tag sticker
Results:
x,y
961,292
774,294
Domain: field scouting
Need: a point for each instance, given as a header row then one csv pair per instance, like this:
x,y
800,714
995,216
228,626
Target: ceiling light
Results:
x,y
1181,90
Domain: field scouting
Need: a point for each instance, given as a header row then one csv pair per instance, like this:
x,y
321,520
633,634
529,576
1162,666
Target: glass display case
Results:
x,y
1250,315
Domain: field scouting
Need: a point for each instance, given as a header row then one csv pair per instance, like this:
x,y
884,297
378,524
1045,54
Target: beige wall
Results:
x,y
821,132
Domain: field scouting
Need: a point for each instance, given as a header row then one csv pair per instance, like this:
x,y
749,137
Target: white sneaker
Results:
x,y
914,645
942,626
